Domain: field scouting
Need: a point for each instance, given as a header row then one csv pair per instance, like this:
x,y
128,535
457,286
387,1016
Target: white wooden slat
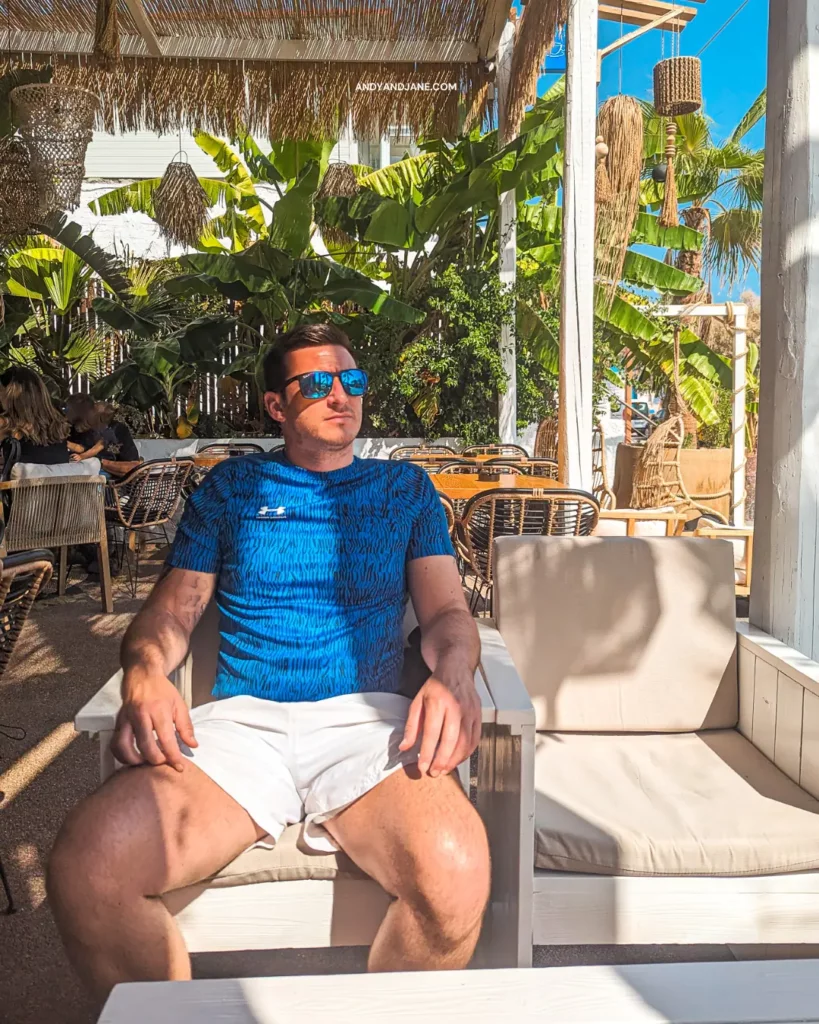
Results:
x,y
809,771
572,909
747,669
788,738
700,993
764,729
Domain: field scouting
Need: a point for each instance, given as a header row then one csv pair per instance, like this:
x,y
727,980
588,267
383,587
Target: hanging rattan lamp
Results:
x,y
56,123
677,91
19,198
181,205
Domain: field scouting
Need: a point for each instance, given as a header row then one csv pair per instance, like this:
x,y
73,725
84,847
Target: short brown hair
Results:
x,y
303,336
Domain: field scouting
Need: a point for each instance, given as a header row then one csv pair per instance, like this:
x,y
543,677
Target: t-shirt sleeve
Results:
x,y
127,448
198,542
430,533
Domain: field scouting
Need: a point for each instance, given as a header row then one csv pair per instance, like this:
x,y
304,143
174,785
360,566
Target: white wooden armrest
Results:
x,y
513,706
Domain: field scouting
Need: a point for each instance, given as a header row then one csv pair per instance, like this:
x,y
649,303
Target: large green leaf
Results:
x,y
648,231
536,336
138,197
257,268
751,118
156,355
390,224
341,284
189,285
624,317
293,213
402,181
130,386
236,174
647,272
118,316
291,156
108,268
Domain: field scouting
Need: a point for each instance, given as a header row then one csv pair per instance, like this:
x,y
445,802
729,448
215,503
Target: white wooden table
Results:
x,y
773,992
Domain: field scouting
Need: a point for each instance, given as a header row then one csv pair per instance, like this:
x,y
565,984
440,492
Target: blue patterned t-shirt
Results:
x,y
311,571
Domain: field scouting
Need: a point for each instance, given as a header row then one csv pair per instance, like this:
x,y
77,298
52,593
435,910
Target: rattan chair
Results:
x,y
461,466
505,513
449,510
505,451
231,449
600,477
532,467
657,478
23,576
546,439
500,467
145,499
421,451
57,512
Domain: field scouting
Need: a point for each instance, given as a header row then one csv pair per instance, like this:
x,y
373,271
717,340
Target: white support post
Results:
x,y
577,268
785,584
385,151
740,370
508,245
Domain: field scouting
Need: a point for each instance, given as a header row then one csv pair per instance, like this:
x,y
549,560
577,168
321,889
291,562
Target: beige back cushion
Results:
x,y
618,634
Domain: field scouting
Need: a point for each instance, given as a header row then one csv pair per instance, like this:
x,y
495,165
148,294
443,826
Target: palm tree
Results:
x,y
722,182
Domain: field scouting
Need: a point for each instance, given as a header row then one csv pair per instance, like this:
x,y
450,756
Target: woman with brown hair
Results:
x,y
29,418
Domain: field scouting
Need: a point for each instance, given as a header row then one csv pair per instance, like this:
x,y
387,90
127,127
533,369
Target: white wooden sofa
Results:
x,y
287,897
667,766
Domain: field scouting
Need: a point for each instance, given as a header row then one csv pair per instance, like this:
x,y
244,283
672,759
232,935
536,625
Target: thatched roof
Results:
x,y
278,66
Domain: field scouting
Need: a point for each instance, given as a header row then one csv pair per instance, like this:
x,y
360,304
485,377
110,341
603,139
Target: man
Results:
x,y
309,554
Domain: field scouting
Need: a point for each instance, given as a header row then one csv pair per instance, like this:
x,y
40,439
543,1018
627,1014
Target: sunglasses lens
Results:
x,y
316,385
354,382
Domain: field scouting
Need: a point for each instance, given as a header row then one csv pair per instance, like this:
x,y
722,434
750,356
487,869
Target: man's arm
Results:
x,y
446,711
154,644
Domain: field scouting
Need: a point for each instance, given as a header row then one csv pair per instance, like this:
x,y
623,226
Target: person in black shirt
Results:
x,y
120,455
85,440
31,428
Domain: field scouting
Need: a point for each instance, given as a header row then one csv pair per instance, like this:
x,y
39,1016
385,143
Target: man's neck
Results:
x,y
318,459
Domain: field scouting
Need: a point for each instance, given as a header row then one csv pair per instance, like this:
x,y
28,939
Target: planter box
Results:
x,y
704,471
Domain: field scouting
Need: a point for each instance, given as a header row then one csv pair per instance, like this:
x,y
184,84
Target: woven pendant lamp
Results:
x,y
19,198
339,180
56,123
181,205
677,91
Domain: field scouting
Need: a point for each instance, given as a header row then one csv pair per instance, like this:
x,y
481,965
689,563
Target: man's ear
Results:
x,y
274,405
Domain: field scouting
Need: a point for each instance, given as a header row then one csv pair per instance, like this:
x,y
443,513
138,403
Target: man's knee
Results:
x,y
104,845
451,885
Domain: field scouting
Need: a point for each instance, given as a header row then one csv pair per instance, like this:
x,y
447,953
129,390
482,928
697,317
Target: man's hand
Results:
x,y
446,713
151,704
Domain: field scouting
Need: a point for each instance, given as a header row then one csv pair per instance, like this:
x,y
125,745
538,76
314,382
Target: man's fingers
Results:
x,y
166,734
144,732
184,726
413,723
433,722
122,745
443,761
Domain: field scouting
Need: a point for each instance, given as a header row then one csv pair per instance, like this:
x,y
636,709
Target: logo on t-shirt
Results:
x,y
265,512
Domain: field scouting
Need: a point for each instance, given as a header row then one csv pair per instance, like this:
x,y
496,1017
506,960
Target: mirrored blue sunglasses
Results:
x,y
319,383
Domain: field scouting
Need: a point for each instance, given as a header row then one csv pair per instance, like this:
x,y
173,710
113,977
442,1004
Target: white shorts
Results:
x,y
304,761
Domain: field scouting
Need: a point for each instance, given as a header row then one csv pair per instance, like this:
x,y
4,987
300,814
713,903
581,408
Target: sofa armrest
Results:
x,y
513,706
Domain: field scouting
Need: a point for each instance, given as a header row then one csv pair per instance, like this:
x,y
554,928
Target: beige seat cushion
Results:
x,y
687,804
288,861
620,634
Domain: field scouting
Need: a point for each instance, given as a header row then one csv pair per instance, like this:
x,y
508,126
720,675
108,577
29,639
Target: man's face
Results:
x,y
332,422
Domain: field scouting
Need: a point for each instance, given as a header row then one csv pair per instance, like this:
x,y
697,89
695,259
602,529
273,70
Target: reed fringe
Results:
x,y
181,204
285,99
536,35
670,213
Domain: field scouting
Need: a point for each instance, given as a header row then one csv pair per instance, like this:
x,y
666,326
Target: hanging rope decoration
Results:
x,y
181,205
620,123
56,124
19,200
677,91
602,182
106,35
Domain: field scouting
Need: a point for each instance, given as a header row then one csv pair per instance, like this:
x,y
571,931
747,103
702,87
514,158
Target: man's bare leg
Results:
x,y
425,844
146,831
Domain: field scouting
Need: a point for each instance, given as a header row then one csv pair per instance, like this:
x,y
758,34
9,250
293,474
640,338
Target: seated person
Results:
x,y
85,439
119,454
308,552
31,428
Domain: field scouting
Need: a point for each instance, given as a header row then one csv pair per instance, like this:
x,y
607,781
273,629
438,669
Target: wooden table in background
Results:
x,y
461,486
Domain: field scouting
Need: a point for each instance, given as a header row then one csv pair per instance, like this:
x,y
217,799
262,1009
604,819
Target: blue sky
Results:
x,y
734,66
